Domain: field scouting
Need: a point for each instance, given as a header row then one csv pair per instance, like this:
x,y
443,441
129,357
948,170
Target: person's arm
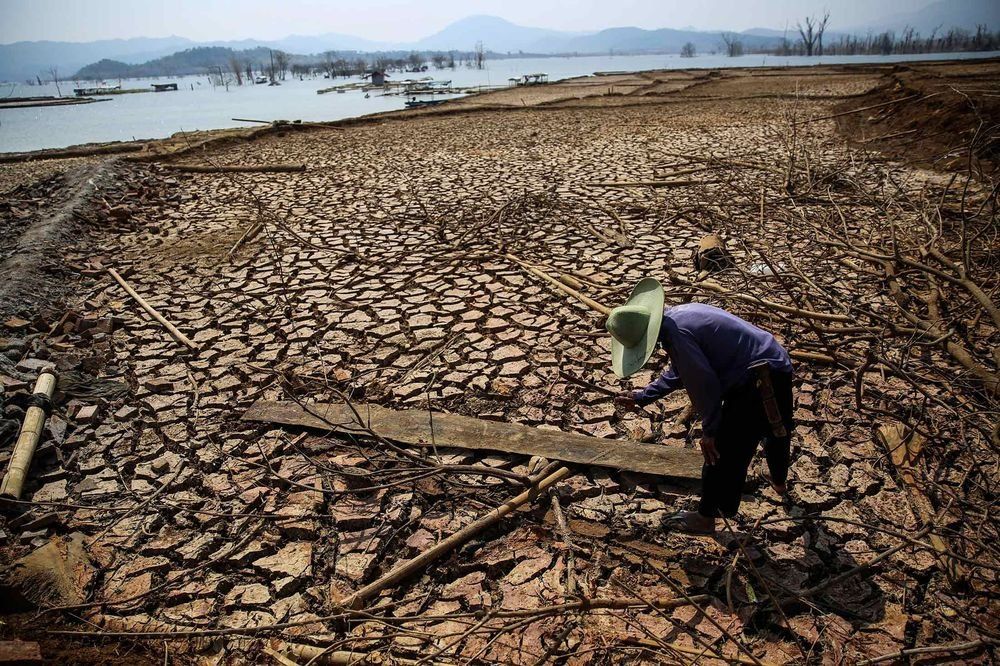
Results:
x,y
666,383
700,380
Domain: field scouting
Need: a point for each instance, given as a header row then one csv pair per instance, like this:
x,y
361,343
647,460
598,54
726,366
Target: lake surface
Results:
x,y
198,105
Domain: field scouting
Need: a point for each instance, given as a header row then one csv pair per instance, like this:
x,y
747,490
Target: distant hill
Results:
x,y
496,34
665,40
190,61
943,14
26,60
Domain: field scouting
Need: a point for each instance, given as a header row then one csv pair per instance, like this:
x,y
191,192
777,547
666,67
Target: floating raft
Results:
x,y
28,102
414,428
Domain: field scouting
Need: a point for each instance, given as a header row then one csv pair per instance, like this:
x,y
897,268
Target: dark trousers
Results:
x,y
744,425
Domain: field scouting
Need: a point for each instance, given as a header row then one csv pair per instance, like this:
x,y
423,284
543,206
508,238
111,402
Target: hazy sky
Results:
x,y
396,20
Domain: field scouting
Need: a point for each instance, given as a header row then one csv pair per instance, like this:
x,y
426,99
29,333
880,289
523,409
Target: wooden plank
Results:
x,y
20,653
413,427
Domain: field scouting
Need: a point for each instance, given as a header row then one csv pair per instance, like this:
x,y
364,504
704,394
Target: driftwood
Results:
x,y
151,311
237,168
411,566
414,427
27,440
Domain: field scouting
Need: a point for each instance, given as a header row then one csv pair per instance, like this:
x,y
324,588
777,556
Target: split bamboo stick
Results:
x,y
586,300
151,311
411,566
650,183
250,234
237,168
27,440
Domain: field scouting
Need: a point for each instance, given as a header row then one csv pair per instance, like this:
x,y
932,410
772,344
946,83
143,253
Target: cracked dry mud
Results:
x,y
381,274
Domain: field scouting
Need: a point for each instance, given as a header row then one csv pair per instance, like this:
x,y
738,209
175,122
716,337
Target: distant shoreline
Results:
x,y
95,148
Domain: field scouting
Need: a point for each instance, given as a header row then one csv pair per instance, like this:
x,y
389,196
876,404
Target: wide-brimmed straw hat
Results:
x,y
634,327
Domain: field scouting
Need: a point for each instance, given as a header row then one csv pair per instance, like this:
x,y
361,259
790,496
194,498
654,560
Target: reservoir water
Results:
x,y
198,105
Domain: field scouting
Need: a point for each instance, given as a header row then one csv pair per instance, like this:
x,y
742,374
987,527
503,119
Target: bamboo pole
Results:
x,y
586,300
151,311
27,440
650,183
317,655
411,566
237,168
250,234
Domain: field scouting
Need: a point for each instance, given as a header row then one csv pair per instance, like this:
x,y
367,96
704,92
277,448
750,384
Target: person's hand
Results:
x,y
627,401
708,450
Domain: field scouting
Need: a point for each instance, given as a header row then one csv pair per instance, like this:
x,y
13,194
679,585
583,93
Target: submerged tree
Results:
x,y
281,61
734,45
479,56
237,68
416,60
54,73
687,51
812,33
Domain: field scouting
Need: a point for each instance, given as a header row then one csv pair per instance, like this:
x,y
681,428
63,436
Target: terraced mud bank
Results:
x,y
457,260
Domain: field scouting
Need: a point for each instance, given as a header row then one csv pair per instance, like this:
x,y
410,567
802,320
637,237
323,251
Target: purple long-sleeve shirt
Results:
x,y
711,352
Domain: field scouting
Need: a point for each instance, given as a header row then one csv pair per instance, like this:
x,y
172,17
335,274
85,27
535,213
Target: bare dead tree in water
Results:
x,y
281,62
237,68
820,29
688,51
733,43
480,55
54,73
812,33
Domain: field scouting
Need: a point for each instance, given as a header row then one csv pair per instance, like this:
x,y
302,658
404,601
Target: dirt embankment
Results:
x,y
945,120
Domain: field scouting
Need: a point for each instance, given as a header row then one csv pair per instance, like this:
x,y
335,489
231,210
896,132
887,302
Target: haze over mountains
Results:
x,y
25,60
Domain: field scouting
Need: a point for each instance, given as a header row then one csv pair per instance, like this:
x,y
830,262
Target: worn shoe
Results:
x,y
689,522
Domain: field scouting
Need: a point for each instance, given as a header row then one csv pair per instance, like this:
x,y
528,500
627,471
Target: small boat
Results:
x,y
418,103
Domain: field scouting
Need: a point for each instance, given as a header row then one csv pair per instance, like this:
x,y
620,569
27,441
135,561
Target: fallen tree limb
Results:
x,y
991,381
904,450
151,311
869,108
717,288
411,566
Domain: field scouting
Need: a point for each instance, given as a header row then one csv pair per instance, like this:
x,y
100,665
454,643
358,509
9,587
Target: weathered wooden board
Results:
x,y
414,427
